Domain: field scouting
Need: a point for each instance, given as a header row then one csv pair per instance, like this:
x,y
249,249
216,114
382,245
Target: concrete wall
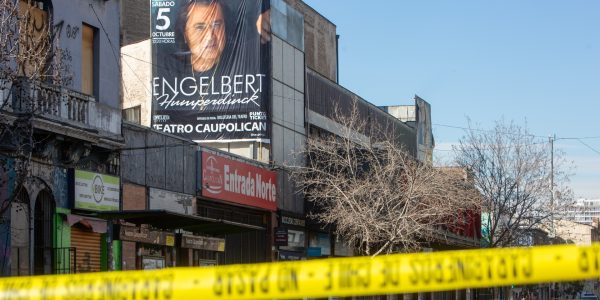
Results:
x,y
137,75
319,40
572,232
68,18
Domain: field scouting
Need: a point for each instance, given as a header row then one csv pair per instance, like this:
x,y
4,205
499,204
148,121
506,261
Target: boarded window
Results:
x,y
33,40
88,57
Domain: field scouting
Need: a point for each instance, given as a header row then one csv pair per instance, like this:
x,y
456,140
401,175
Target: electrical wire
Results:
x,y
590,147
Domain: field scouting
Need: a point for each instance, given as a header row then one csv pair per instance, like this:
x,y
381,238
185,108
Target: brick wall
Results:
x,y
134,197
319,40
128,255
135,21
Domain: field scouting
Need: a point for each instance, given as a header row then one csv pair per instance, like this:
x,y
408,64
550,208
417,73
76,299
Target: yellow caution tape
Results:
x,y
391,274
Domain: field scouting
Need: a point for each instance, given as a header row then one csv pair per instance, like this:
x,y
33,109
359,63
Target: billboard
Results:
x,y
237,182
94,191
211,60
425,141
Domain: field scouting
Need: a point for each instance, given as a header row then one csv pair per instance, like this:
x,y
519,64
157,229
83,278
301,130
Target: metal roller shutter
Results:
x,y
87,245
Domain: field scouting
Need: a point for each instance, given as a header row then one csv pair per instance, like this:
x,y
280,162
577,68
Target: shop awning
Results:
x,y
171,220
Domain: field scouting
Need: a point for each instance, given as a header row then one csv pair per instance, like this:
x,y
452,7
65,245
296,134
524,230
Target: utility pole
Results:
x,y
552,234
551,140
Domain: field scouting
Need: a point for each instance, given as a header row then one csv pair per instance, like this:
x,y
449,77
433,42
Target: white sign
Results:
x,y
171,201
96,191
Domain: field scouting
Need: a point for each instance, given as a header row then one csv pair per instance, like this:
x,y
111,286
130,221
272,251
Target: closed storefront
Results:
x,y
91,192
154,248
87,236
87,246
240,192
200,250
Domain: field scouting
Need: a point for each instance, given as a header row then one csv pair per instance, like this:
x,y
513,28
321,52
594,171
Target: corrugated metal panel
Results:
x,y
174,165
169,159
133,162
189,177
87,245
155,157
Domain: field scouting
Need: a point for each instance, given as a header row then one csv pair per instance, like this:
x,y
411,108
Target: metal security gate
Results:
x,y
88,246
43,256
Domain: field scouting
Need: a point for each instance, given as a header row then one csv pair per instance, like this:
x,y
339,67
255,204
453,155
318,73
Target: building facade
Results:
x,y
304,94
60,121
100,194
584,211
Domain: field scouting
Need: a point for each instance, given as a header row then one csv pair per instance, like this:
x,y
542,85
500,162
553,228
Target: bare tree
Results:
x,y
25,49
375,193
512,170
29,56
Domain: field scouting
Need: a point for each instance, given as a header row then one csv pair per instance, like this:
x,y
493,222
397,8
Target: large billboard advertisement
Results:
x,y
210,69
237,182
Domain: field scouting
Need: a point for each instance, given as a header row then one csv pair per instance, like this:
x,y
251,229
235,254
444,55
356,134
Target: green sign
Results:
x,y
94,191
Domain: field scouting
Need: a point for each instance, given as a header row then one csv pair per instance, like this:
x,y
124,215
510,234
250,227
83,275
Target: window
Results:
x,y
133,114
89,60
33,17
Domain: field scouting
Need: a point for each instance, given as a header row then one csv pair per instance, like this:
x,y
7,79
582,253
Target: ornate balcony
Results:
x,y
54,104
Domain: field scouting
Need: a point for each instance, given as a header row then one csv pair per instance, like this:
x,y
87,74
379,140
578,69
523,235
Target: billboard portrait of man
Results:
x,y
210,69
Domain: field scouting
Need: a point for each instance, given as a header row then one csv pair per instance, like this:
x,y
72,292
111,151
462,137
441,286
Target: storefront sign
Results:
x,y
142,235
296,240
290,255
292,221
214,88
238,182
171,201
202,243
96,191
281,236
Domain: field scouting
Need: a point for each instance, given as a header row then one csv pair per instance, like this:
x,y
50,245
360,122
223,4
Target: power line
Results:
x,y
579,138
493,148
590,147
484,130
510,133
112,46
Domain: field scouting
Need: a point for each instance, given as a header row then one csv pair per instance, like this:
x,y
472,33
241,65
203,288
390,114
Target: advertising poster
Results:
x,y
210,63
237,182
94,191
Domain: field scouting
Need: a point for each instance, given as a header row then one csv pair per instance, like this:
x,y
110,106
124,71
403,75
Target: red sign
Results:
x,y
238,182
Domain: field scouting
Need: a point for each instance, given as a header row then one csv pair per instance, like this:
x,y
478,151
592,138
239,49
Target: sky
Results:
x,y
536,62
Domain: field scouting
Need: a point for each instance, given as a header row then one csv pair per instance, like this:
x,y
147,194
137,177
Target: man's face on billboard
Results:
x,y
205,35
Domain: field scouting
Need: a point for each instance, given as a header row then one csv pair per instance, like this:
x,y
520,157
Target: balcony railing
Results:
x,y
62,104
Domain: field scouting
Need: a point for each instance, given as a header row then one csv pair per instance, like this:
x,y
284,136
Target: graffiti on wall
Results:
x,y
62,58
71,31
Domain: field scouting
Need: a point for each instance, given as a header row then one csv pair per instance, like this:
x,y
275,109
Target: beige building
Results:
x,y
573,233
